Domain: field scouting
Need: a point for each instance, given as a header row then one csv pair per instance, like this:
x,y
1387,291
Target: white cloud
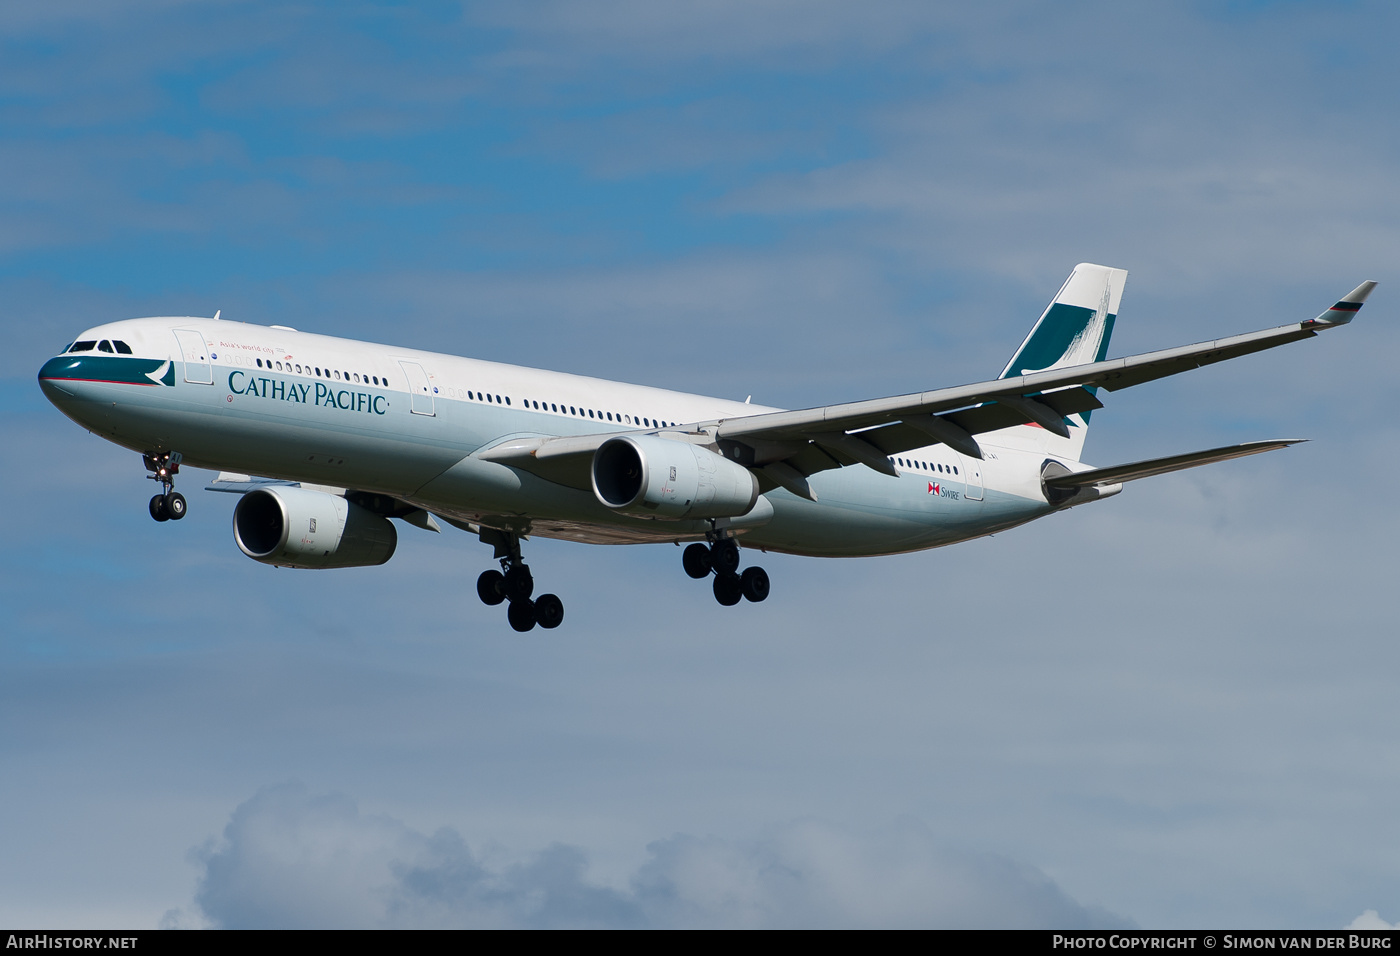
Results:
x,y
1370,920
289,859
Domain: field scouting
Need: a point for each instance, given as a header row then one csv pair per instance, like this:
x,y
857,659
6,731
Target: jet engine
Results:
x,y
651,477
298,528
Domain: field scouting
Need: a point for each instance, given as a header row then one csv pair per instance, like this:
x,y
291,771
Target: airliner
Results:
x,y
326,439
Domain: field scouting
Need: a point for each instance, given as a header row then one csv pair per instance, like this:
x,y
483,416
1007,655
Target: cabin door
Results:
x,y
195,354
420,388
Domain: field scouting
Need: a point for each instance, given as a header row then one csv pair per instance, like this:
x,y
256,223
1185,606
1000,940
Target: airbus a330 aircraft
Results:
x,y
345,435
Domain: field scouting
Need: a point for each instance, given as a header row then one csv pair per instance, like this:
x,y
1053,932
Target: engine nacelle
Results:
x,y
652,477
298,528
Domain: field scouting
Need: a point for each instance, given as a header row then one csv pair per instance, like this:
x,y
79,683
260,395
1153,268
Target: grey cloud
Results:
x,y
289,859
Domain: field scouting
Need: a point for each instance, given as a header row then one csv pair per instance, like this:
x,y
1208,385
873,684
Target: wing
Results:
x,y
788,447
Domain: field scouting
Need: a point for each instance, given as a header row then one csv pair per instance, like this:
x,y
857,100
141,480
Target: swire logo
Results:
x,y
942,491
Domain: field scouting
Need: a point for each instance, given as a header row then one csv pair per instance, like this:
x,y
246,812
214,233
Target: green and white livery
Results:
x,y
327,439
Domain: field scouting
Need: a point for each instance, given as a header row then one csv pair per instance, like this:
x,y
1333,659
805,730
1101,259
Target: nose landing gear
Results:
x,y
169,505
721,557
515,583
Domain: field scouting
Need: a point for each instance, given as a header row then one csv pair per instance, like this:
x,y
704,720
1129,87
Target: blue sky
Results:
x,y
1174,708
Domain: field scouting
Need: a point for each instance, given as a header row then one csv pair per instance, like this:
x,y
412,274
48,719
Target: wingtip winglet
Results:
x,y
1347,306
1359,294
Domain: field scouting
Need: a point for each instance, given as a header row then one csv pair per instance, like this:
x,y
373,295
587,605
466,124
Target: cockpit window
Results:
x,y
87,346
122,347
104,346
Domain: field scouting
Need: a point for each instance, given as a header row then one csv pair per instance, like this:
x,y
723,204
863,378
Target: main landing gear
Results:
x,y
170,504
515,584
721,556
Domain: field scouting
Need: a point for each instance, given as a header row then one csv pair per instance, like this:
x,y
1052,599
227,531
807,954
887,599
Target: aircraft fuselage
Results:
x,y
411,424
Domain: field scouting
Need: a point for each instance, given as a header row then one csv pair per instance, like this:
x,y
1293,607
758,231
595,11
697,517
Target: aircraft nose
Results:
x,y
50,376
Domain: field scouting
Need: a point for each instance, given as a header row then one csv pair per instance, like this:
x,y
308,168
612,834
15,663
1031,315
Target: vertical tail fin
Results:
x,y
1073,330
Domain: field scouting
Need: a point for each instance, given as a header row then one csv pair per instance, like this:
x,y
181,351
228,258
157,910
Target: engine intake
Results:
x,y
297,528
652,477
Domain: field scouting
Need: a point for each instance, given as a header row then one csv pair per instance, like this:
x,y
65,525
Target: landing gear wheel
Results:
x,y
175,505
158,509
754,584
696,561
522,615
724,556
549,611
491,587
728,590
519,583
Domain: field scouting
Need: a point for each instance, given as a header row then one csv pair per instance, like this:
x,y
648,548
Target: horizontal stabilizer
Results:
x,y
1161,466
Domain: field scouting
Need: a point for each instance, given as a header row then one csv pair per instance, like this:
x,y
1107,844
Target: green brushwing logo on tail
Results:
x,y
1068,333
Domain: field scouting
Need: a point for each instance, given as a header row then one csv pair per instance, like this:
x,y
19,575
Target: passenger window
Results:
x,y
298,369
259,361
590,413
122,347
955,469
357,378
572,411
507,399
